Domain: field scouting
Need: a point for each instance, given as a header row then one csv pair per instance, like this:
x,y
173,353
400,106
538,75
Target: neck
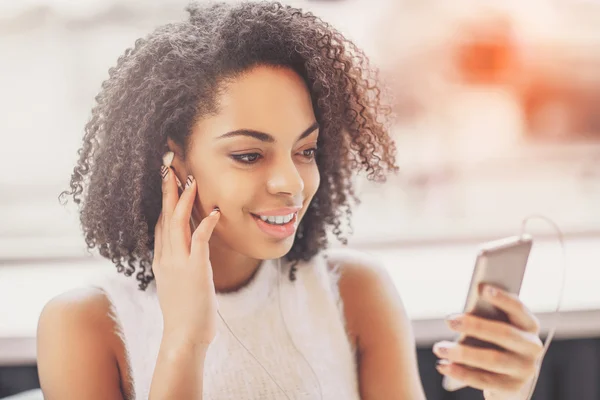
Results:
x,y
231,270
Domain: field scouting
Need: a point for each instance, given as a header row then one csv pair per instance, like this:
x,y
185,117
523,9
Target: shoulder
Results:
x,y
367,292
355,265
366,288
76,342
82,307
84,310
377,323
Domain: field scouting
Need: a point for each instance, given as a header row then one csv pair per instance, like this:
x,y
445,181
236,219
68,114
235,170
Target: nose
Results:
x,y
285,179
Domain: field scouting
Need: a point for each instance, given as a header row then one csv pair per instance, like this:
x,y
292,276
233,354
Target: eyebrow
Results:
x,y
265,137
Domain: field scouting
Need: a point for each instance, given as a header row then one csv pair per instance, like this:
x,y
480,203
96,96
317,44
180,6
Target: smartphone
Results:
x,y
501,263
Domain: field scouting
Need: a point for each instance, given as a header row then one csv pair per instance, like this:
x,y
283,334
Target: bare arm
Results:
x,y
377,320
78,354
179,370
81,357
74,350
185,290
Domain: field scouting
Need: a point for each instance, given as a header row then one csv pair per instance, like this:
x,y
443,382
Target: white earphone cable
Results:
x,y
552,330
253,356
279,273
547,342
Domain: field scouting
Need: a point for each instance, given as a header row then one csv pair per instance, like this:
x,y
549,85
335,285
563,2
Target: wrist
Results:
x,y
175,342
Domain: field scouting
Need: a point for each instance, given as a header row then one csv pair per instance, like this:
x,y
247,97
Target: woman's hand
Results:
x,y
181,266
501,374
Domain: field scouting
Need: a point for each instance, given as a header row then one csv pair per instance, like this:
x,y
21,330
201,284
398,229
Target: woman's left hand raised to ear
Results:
x,y
501,374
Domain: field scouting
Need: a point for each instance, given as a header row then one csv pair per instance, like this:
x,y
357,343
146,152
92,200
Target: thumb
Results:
x,y
202,234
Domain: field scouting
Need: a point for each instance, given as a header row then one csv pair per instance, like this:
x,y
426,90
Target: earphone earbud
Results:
x,y
168,158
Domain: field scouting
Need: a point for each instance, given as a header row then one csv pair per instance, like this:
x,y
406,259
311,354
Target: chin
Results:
x,y
269,249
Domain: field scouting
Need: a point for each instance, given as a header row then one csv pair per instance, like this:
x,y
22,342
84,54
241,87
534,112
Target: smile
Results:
x,y
277,226
277,220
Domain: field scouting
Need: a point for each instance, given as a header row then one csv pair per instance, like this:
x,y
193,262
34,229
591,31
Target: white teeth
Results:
x,y
278,220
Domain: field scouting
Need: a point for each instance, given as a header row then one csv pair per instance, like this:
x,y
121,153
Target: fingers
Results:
x,y
169,200
202,234
499,333
518,314
491,360
506,369
479,379
494,369
158,238
179,226
173,225
169,193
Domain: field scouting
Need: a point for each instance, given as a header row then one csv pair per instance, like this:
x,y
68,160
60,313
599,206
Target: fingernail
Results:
x,y
454,320
214,212
164,172
440,349
168,158
189,181
441,365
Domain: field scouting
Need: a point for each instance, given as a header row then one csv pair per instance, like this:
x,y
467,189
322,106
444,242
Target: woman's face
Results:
x,y
255,160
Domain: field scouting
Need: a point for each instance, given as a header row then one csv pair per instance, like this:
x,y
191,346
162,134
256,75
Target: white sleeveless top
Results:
x,y
315,335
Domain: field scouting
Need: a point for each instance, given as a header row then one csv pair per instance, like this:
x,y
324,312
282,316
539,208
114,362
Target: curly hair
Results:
x,y
171,79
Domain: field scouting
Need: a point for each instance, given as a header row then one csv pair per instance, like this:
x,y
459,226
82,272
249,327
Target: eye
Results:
x,y
309,153
248,158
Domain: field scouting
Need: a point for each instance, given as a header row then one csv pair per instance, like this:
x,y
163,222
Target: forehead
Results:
x,y
269,99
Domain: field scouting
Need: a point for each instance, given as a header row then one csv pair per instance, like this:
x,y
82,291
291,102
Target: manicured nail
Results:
x,y
214,212
164,172
454,320
442,365
440,349
168,158
189,181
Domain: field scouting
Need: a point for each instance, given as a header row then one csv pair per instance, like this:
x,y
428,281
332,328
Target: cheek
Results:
x,y
312,179
230,191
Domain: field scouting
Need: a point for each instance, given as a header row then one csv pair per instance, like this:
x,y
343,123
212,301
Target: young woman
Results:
x,y
220,151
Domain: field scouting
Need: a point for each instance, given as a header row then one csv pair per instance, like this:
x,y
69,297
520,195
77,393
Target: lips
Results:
x,y
279,231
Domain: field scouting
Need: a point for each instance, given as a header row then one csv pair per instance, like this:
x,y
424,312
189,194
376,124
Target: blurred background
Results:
x,y
498,107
